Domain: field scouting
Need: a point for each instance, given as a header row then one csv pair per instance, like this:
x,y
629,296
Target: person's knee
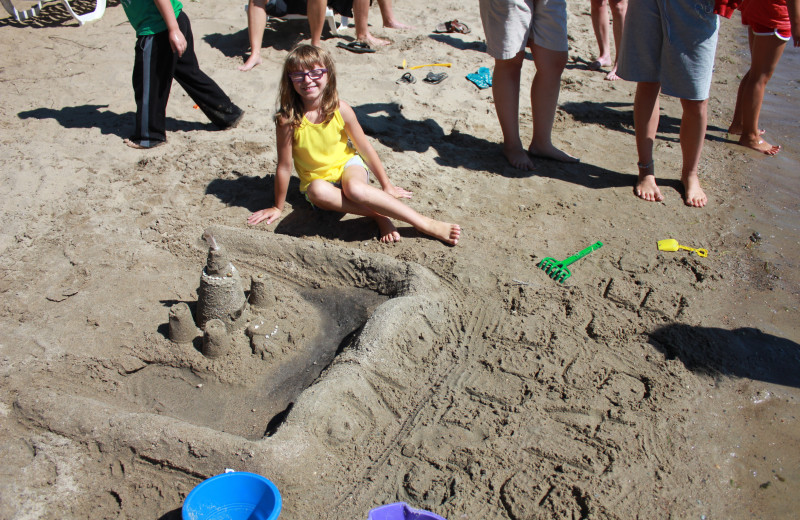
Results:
x,y
550,62
355,191
510,65
317,191
599,4
696,108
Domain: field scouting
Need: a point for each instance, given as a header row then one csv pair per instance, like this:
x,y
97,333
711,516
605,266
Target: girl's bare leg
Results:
x,y
325,195
765,53
645,122
692,135
358,191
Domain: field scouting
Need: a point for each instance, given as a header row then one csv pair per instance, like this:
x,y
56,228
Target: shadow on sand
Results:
x,y
91,116
745,352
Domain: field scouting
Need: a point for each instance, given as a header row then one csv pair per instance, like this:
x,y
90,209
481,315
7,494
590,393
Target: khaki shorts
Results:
x,y
511,25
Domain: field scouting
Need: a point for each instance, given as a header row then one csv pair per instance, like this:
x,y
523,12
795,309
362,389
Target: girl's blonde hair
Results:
x,y
305,57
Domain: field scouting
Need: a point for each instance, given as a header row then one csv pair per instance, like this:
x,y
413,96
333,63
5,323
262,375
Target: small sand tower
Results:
x,y
220,295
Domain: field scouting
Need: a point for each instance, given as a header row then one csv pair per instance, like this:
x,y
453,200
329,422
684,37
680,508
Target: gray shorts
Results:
x,y
671,42
510,25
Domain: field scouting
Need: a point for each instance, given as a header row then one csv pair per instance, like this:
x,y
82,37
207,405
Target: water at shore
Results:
x,y
772,210
761,433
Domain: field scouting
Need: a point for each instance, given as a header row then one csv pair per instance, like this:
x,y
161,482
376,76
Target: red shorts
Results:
x,y
765,30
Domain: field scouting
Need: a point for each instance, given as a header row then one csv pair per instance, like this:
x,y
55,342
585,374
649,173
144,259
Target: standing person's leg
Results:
x,y
600,23
152,80
735,127
618,10
256,23
203,90
387,13
765,54
315,12
544,101
505,91
361,16
549,46
693,133
645,122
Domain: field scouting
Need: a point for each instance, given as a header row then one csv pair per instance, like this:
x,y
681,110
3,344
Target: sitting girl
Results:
x,y
313,128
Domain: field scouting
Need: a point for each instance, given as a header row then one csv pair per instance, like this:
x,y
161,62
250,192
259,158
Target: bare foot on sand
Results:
x,y
646,187
599,63
253,61
760,145
372,41
444,231
693,194
134,144
388,233
612,75
551,152
518,158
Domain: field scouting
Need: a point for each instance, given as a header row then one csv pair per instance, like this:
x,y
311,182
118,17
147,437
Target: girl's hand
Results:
x,y
269,214
396,192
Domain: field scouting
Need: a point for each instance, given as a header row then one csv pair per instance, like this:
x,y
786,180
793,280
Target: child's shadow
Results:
x,y
91,116
256,193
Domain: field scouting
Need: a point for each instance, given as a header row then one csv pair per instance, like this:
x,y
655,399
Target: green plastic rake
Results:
x,y
557,270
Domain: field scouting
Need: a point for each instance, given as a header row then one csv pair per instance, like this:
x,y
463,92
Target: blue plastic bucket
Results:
x,y
233,496
401,511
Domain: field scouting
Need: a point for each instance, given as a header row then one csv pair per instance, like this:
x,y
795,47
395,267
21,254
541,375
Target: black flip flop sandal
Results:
x,y
356,46
434,79
407,78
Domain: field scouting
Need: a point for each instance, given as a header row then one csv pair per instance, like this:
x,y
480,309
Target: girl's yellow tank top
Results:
x,y
320,151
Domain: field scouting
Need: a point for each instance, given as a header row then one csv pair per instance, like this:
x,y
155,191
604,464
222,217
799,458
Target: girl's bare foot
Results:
x,y
693,194
551,152
444,231
388,233
253,61
646,187
760,145
518,158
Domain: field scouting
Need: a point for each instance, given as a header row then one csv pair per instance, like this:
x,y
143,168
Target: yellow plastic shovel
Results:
x,y
671,244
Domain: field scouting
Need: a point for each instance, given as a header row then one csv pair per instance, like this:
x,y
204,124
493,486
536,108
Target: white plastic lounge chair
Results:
x,y
37,9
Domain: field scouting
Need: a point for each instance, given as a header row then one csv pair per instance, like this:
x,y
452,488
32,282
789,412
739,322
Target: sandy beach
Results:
x,y
461,380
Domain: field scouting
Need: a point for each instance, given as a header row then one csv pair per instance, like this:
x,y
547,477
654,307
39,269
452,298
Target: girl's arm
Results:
x,y
367,152
285,134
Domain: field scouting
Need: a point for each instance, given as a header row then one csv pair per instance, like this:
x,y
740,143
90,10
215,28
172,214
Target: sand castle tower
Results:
x,y
221,295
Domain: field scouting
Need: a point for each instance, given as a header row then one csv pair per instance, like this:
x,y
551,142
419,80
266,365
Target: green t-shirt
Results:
x,y
144,16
